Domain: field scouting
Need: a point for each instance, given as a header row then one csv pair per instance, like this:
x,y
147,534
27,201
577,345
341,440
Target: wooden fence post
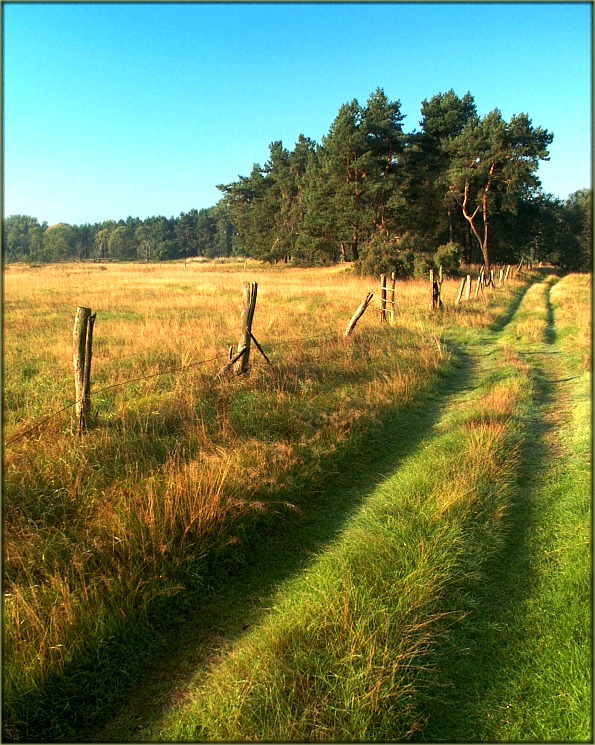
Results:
x,y
478,286
431,289
393,279
383,298
435,285
480,282
82,344
361,309
462,287
250,292
468,291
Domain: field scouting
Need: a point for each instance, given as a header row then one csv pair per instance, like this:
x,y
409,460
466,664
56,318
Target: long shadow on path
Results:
x,y
482,656
241,600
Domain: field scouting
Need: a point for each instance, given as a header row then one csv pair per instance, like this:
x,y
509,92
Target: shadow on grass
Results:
x,y
481,655
511,309
133,675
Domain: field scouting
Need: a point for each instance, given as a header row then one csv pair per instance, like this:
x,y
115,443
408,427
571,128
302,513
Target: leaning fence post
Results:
x,y
82,343
361,309
478,286
250,292
462,287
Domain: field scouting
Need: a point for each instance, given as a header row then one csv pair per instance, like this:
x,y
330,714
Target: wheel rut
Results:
x,y
244,599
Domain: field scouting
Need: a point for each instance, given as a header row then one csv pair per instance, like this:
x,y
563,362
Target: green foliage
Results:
x,y
383,254
449,257
493,163
461,179
22,238
421,250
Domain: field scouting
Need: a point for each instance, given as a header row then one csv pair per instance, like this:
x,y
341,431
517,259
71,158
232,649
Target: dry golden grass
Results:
x,y
97,528
569,298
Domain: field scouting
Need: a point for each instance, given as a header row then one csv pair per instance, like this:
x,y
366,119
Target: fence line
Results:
x,y
436,302
169,371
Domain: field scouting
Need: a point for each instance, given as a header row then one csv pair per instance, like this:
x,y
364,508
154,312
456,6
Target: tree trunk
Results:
x,y
483,242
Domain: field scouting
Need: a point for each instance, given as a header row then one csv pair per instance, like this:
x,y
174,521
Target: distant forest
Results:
x,y
461,187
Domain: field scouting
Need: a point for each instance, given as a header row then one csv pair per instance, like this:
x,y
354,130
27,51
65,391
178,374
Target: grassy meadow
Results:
x,y
455,604
112,538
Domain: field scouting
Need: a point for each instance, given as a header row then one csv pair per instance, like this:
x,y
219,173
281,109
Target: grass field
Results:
x,y
113,540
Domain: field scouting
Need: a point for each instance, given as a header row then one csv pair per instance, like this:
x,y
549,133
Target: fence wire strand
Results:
x,y
169,371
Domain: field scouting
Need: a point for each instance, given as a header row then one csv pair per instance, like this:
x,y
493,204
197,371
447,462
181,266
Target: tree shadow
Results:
x,y
479,657
244,582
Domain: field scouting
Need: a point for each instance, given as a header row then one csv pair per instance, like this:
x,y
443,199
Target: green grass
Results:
x,y
350,649
113,542
525,670
111,539
455,605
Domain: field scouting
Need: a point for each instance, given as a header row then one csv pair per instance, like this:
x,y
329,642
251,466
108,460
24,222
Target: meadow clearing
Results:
x,y
113,539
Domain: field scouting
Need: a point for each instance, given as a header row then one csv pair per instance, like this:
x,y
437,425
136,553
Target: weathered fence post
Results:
x,y
480,282
507,272
393,280
250,292
383,298
432,289
468,292
82,344
435,285
478,286
361,309
462,287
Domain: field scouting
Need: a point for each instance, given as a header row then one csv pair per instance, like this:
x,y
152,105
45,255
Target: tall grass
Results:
x,y
455,604
104,533
350,648
526,674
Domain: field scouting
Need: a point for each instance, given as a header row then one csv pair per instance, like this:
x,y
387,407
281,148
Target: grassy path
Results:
x,y
245,598
525,671
447,600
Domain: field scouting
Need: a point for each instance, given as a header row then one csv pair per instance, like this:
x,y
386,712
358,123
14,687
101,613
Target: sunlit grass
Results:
x,y
100,529
350,649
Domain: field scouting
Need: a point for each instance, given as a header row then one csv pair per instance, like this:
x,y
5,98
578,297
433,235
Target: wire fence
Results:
x,y
180,369
385,301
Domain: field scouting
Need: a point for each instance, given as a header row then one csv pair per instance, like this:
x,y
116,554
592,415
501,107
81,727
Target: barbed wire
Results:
x,y
169,371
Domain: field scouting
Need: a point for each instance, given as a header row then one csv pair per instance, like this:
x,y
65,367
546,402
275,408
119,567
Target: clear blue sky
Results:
x,y
142,109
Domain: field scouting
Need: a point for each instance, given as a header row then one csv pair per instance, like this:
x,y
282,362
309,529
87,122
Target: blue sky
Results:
x,y
142,109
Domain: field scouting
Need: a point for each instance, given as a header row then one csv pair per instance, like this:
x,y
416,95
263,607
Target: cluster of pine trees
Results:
x,y
462,185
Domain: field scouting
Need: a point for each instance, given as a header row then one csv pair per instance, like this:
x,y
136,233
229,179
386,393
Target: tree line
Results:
x,y
206,232
461,187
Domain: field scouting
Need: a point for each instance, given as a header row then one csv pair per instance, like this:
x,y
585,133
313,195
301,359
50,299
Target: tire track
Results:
x,y
244,602
490,677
